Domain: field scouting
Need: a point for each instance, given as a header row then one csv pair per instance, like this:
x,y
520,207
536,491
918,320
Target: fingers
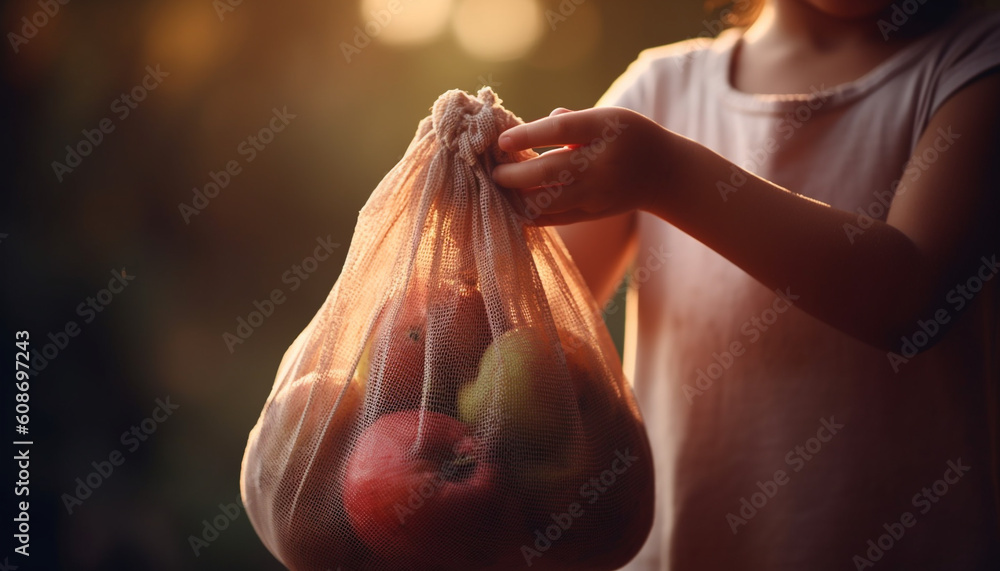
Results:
x,y
561,219
545,169
560,111
555,199
547,201
558,129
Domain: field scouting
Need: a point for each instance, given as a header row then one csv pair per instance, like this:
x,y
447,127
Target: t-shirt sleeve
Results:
x,y
658,76
971,53
629,90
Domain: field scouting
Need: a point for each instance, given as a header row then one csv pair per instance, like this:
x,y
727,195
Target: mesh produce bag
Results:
x,y
457,402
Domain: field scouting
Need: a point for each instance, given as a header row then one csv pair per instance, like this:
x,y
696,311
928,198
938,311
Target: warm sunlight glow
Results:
x,y
183,37
498,31
404,22
575,38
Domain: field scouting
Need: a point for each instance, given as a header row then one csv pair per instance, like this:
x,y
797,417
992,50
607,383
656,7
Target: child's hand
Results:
x,y
612,160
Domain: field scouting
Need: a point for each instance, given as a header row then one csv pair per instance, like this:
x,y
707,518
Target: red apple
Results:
x,y
393,366
459,317
454,307
421,492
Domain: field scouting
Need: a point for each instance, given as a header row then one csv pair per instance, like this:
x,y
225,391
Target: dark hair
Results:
x,y
736,12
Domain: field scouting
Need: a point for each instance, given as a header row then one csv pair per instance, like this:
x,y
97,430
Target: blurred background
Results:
x,y
166,164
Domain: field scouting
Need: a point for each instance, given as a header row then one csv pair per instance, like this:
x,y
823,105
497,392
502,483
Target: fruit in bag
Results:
x,y
457,402
401,344
420,480
300,421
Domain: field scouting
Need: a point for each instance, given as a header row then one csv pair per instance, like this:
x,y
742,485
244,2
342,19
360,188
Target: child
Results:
x,y
817,359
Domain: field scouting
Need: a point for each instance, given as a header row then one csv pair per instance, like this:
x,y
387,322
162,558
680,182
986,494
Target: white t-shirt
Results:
x,y
780,442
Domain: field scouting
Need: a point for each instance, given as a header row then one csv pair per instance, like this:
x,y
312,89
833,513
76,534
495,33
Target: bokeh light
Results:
x,y
498,31
404,22
184,37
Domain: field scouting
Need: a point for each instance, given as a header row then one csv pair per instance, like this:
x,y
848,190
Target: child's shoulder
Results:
x,y
688,53
672,69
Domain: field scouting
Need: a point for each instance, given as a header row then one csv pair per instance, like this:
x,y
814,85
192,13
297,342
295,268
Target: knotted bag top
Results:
x,y
469,126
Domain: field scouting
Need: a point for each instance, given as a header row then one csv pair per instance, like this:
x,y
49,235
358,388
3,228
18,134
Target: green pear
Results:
x,y
517,388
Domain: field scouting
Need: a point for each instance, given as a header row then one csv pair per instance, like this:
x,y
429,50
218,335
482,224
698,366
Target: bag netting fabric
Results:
x,y
457,402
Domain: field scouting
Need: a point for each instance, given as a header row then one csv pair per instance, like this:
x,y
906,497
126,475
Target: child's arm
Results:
x,y
602,249
875,288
